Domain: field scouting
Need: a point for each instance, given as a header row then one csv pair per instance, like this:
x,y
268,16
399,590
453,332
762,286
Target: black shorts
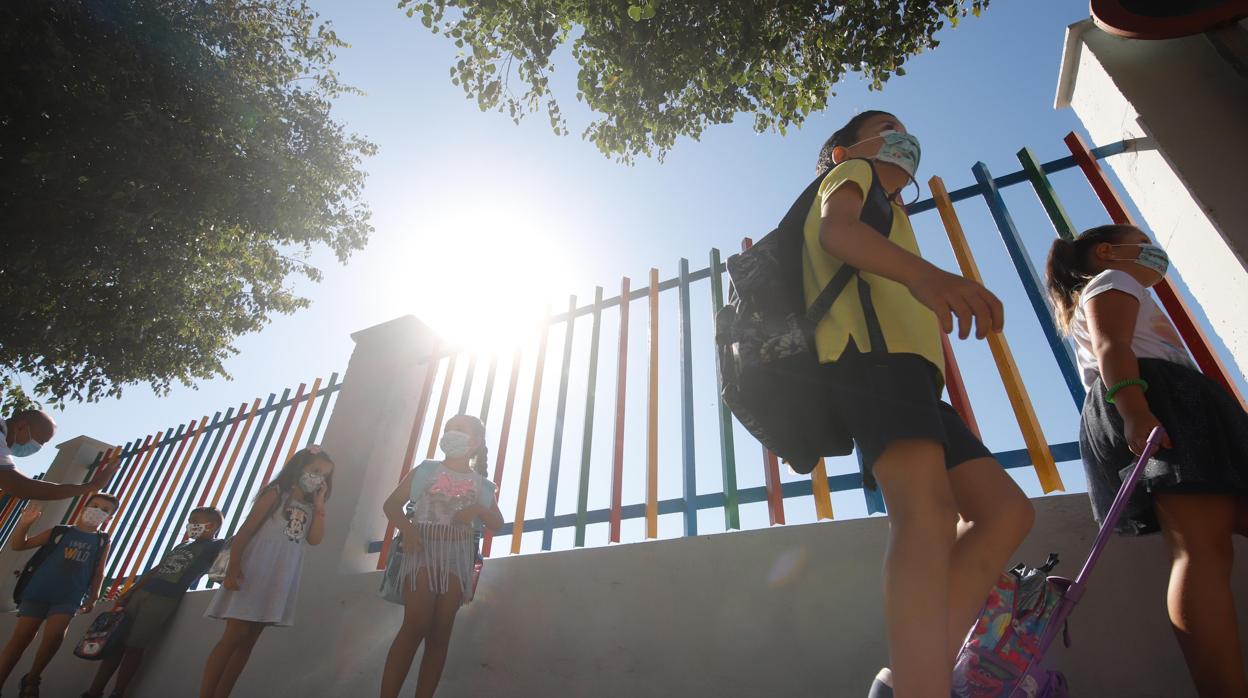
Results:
x,y
884,398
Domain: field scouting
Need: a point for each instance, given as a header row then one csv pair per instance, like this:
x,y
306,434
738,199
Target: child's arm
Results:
x,y
261,510
844,236
1111,322
97,580
29,516
316,532
393,509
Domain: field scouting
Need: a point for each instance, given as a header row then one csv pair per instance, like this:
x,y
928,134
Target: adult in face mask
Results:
x,y
24,434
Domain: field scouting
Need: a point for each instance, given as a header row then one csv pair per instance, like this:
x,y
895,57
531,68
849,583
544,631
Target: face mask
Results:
x,y
900,149
93,516
311,482
195,530
1151,257
455,444
29,448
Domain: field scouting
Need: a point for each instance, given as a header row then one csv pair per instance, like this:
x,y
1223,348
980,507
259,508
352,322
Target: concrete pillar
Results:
x,y
1187,180
73,458
367,437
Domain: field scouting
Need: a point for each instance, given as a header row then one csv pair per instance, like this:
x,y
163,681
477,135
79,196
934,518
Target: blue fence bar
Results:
x,y
561,410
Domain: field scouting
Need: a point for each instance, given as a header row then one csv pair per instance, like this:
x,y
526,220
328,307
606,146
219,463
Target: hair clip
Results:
x,y
314,449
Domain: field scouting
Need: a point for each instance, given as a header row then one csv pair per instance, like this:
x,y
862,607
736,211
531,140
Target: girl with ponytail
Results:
x,y
1138,376
430,568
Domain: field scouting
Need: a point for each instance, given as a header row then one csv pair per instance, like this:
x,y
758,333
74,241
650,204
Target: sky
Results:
x,y
480,223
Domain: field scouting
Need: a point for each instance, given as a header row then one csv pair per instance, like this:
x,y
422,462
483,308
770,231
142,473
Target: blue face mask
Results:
x,y
1151,257
29,448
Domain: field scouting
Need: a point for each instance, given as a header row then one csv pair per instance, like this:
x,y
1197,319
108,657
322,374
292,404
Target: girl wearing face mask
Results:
x,y
431,566
61,580
1138,376
266,560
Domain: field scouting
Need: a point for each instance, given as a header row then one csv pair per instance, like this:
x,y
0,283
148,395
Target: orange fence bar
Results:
x,y
1033,436
652,414
526,465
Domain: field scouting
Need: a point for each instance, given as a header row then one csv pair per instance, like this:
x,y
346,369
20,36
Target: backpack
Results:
x,y
769,369
1003,650
104,636
28,570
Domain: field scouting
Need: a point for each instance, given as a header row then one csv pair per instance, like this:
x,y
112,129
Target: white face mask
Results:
x,y
93,516
311,482
456,444
1151,257
195,530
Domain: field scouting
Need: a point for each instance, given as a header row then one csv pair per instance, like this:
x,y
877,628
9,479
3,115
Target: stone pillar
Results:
x,y
73,458
1187,180
367,436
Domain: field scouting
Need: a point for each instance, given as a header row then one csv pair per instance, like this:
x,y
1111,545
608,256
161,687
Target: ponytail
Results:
x,y
481,462
1070,268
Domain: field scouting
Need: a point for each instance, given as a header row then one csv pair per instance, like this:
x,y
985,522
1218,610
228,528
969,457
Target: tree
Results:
x,y
166,168
654,70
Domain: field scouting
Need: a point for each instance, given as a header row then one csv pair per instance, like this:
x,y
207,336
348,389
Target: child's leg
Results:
x,y
108,666
53,635
130,664
23,632
996,516
237,634
238,660
418,604
1198,529
922,516
439,640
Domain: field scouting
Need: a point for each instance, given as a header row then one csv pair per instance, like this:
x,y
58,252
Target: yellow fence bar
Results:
x,y
820,491
522,493
1033,436
435,433
652,419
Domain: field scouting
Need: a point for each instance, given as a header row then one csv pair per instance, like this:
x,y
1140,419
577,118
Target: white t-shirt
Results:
x,y
1154,338
6,456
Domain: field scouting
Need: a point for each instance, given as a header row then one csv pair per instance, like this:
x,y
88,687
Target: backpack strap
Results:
x,y
877,213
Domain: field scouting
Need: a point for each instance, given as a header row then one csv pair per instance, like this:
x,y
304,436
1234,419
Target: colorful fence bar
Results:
x,y
1037,446
215,462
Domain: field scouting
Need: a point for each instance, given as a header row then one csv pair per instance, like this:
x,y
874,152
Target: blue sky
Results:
x,y
478,221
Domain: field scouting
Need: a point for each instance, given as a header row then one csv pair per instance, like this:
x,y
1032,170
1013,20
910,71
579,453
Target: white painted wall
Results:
x,y
789,611
1188,181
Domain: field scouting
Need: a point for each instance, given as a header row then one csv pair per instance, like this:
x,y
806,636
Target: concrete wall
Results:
x,y
789,611
1188,179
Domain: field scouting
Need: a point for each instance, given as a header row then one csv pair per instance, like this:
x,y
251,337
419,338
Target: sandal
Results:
x,y
28,687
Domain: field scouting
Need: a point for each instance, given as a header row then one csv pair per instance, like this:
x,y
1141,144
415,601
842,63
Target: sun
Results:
x,y
483,274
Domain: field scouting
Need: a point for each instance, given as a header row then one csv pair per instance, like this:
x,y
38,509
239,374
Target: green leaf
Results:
x,y
634,13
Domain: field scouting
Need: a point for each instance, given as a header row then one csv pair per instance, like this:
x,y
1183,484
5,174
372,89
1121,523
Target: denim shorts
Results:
x,y
42,609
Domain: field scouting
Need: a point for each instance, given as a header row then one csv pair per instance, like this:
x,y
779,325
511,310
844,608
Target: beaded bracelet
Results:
x,y
1109,394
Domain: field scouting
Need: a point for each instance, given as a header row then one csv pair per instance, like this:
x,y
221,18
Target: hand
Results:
x,y
87,607
1137,427
30,514
233,580
467,515
103,474
120,604
318,498
949,294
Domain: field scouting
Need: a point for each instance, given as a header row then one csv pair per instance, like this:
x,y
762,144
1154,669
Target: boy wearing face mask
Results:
x,y
152,602
955,516
66,581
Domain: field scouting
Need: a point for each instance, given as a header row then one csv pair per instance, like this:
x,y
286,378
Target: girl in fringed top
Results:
x,y
430,570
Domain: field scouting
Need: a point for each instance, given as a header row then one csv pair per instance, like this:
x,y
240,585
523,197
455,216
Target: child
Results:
x,y
262,579
1195,490
65,583
438,549
882,359
152,602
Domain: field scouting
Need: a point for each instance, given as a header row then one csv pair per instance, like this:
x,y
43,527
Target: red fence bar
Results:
x,y
771,465
958,396
1192,334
